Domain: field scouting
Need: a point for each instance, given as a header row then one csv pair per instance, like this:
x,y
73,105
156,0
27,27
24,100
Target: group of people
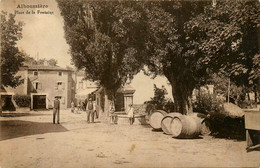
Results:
x,y
80,107
90,108
114,118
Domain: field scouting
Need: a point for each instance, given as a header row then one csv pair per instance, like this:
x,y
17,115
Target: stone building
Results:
x,y
43,83
84,87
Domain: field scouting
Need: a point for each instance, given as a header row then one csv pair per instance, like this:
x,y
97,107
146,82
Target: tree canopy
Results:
x,y
228,35
104,39
185,41
189,41
169,50
11,57
31,61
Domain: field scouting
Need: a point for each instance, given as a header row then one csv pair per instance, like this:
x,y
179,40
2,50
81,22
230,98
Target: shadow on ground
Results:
x,y
18,128
13,114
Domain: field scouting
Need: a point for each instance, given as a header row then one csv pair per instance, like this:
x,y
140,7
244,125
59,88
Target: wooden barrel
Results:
x,y
185,127
204,124
156,119
167,121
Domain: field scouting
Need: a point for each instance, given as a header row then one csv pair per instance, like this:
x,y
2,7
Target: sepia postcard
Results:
x,y
134,83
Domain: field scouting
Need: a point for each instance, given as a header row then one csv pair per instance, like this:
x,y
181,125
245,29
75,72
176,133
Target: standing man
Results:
x,y
90,110
56,110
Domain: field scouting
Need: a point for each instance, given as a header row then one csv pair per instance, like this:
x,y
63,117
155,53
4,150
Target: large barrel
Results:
x,y
185,127
156,119
204,124
167,121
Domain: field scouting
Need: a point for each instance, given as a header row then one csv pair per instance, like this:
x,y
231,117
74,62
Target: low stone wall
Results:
x,y
123,119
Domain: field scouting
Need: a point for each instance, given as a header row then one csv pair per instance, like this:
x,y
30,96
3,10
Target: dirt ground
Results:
x,y
29,139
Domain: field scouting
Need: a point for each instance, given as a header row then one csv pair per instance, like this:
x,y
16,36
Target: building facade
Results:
x,y
84,87
43,83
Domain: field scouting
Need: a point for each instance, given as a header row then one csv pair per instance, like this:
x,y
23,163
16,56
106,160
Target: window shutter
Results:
x,y
39,86
33,86
63,85
63,100
56,86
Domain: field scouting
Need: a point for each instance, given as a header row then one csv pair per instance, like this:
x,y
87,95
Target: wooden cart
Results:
x,y
252,125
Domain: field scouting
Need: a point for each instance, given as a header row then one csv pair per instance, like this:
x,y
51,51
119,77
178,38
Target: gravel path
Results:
x,y
31,140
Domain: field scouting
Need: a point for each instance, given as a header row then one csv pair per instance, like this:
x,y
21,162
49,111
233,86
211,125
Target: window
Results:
x,y
35,73
60,73
60,86
37,85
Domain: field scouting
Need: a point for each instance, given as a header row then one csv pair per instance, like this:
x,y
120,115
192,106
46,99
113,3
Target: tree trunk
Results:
x,y
109,99
0,106
182,99
106,104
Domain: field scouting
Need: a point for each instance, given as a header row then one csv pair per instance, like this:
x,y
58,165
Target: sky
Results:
x,y
43,35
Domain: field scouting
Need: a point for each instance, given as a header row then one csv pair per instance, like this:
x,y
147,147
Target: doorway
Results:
x,y
39,101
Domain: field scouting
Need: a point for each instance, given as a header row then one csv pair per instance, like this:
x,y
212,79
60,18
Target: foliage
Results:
x,y
168,49
159,95
190,40
223,126
22,100
103,39
207,103
184,41
11,57
52,62
159,101
219,122
237,94
228,35
31,61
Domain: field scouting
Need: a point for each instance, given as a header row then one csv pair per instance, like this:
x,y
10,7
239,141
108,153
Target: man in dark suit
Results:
x,y
90,111
56,110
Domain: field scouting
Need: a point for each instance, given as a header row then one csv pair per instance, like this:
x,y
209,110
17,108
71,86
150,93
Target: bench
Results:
x,y
122,118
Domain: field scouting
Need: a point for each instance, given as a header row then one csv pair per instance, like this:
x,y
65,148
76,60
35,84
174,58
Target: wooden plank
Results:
x,y
248,139
252,120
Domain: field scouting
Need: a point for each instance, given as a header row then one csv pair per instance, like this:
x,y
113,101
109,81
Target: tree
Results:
x,y
189,41
229,34
159,101
52,62
31,61
11,57
169,52
104,39
227,88
159,95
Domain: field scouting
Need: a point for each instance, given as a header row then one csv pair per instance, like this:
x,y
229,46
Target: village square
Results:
x,y
130,84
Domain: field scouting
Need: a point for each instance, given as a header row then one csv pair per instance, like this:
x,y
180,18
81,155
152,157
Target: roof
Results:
x,y
46,68
87,91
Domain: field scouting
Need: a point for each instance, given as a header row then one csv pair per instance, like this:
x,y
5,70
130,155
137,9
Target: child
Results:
x,y
130,114
72,107
111,113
